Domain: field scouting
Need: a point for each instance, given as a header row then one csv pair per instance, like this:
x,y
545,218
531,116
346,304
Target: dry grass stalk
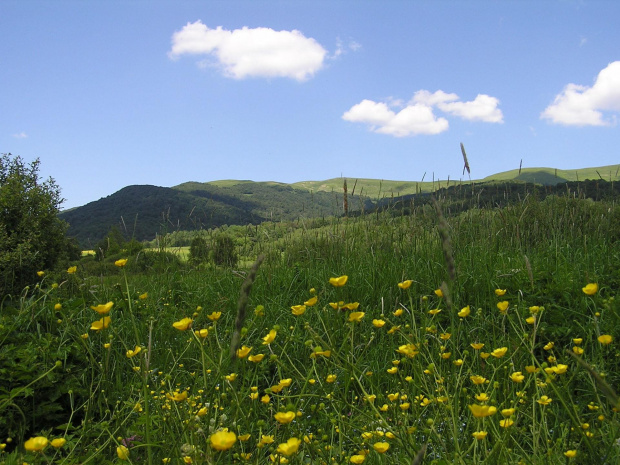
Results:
x,y
242,304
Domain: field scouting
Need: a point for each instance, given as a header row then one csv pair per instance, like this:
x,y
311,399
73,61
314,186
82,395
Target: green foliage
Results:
x,y
199,251
223,253
32,238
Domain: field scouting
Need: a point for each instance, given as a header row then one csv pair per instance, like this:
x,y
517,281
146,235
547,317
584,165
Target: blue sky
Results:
x,y
113,93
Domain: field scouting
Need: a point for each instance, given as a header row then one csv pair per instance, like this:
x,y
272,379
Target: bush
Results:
x,y
224,253
32,237
198,251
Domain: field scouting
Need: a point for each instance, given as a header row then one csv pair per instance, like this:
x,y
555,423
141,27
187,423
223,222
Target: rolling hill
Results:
x,y
144,211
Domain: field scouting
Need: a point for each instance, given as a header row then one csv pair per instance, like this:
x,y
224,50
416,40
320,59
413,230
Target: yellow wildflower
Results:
x,y
590,289
480,411
499,353
477,345
256,358
120,263
101,324
103,308
183,324
357,459
214,316
405,284
544,400
298,310
58,443
500,292
356,317
36,444
439,293
331,378
72,269
270,337
122,452
289,447
571,453
312,301
143,296
465,311
243,352
408,350
223,440
132,353
285,417
479,435
339,281
508,412
378,323
503,306
517,377
381,447
506,423
605,339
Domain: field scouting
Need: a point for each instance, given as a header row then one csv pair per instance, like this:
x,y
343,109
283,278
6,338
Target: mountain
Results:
x,y
142,212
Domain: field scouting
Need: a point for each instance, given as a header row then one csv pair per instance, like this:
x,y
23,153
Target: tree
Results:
x,y
32,237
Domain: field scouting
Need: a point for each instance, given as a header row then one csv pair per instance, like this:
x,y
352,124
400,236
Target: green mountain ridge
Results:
x,y
143,211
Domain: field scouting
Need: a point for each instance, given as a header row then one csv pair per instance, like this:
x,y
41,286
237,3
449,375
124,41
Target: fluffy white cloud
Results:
x,y
258,52
417,117
414,119
579,105
20,135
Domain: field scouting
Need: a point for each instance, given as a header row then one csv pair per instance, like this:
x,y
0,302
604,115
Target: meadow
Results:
x,y
434,335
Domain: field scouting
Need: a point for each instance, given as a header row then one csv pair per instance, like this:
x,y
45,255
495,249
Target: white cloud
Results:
x,y
20,135
579,105
414,119
342,48
417,117
258,52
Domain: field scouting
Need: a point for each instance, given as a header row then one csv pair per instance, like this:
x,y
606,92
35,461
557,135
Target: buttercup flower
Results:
x,y
500,292
214,316
104,308
120,263
378,323
285,417
177,396
330,378
101,324
298,310
405,284
223,440
503,306
40,273
517,377
479,435
183,324
605,339
499,353
476,379
256,358
480,411
506,423
571,453
58,443
356,317
289,447
465,311
381,447
72,269
508,412
590,289
439,293
269,338
36,444
544,400
122,452
312,301
243,352
477,345
132,353
408,350
143,296
357,459
339,281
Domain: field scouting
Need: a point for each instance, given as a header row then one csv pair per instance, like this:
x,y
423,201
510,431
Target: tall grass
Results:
x,y
372,372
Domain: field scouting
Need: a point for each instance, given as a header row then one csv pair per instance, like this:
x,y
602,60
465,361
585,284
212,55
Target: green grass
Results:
x,y
407,383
